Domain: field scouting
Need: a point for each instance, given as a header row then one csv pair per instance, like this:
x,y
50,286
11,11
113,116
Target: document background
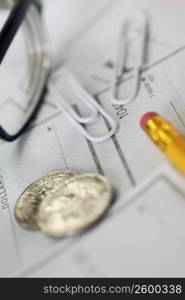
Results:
x,y
143,234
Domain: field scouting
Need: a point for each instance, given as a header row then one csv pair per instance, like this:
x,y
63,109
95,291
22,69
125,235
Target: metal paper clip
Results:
x,y
133,41
87,99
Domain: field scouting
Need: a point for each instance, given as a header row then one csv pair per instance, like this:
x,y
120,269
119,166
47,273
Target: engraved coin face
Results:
x,y
27,205
82,202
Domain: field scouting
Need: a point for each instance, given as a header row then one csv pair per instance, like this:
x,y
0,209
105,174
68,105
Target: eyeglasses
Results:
x,y
25,13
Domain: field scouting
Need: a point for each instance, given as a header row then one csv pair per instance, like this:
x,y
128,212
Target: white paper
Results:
x,y
143,234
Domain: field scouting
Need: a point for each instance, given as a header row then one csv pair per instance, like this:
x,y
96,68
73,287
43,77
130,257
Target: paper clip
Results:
x,y
86,98
133,41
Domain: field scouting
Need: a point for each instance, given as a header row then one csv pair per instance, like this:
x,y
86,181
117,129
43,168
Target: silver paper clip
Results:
x,y
77,120
133,41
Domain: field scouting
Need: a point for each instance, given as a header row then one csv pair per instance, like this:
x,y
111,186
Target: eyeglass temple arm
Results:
x,y
7,35
12,25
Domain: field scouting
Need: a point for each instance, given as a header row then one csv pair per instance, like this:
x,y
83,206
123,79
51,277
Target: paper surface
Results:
x,y
143,234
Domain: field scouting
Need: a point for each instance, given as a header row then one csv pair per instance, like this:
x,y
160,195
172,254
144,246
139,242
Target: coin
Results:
x,y
27,205
81,202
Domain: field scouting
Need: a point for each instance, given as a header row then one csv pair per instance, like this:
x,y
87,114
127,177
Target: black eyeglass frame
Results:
x,y
7,34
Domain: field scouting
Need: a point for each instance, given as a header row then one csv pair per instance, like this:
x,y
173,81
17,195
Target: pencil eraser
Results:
x,y
147,117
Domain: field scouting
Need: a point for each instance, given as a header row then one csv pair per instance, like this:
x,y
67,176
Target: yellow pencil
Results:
x,y
166,137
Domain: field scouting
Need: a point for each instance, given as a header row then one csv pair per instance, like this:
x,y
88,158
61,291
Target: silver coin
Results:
x,y
27,205
82,202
